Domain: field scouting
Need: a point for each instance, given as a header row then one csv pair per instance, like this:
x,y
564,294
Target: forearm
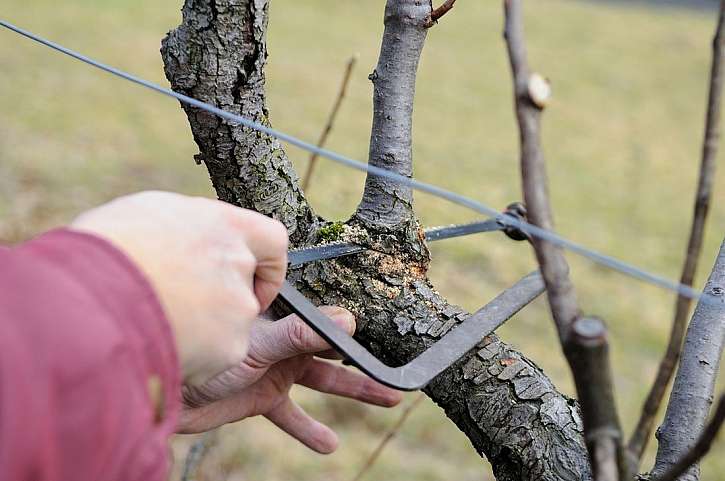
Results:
x,y
89,378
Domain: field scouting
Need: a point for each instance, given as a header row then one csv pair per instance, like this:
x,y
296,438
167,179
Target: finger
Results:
x,y
268,280
268,241
194,420
334,379
272,342
330,354
290,418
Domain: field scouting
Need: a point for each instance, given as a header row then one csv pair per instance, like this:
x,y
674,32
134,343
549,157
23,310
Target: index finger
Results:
x,y
267,239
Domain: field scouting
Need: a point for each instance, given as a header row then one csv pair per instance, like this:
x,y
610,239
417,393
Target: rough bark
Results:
x,y
217,55
692,391
501,400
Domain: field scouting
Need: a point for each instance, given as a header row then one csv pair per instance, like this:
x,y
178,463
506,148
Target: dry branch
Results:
x,y
440,11
643,431
370,461
330,121
553,265
584,340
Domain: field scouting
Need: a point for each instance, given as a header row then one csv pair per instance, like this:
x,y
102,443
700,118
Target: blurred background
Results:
x,y
622,138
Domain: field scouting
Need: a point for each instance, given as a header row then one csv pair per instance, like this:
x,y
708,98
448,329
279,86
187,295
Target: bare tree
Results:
x,y
501,400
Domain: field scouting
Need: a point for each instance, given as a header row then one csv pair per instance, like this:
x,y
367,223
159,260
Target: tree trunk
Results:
x,y
502,401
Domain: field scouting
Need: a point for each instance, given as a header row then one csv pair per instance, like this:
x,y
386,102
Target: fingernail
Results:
x,y
345,319
394,398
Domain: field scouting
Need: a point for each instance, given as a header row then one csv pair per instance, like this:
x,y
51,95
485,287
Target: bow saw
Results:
x,y
417,373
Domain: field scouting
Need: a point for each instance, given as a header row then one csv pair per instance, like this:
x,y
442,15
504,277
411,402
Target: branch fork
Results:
x,y
437,13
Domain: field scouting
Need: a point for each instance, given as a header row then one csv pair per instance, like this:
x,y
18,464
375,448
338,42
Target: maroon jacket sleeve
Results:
x,y
89,378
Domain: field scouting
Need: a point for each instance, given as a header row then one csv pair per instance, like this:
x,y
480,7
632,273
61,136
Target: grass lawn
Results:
x,y
622,138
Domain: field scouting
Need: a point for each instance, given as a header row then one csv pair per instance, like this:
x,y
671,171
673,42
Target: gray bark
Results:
x,y
217,55
692,391
502,401
387,203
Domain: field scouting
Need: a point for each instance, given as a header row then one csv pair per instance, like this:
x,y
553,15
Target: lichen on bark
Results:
x,y
217,55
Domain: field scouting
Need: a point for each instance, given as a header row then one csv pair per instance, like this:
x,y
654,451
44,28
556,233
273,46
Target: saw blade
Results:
x,y
332,250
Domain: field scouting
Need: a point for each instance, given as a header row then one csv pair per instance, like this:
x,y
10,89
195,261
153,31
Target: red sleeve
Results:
x,y
89,378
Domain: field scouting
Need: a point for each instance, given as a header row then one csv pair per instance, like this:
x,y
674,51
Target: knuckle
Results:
x,y
246,262
300,336
152,197
242,307
233,354
271,231
235,218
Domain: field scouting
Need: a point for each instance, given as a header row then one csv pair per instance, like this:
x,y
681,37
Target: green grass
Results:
x,y
622,139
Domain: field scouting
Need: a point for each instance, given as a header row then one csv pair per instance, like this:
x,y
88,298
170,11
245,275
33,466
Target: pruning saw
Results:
x,y
451,347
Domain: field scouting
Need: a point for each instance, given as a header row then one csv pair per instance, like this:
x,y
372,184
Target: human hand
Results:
x,y
214,267
282,354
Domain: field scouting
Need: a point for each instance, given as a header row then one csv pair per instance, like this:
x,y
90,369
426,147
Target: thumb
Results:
x,y
271,342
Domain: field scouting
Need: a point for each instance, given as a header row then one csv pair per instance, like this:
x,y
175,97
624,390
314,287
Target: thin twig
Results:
x,y
388,436
440,11
330,120
701,448
643,431
584,340
533,169
196,454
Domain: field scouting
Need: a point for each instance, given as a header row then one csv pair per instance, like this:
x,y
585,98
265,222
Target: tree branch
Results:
x,y
330,121
584,340
440,11
640,437
701,447
217,55
533,168
502,401
587,352
386,203
694,384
